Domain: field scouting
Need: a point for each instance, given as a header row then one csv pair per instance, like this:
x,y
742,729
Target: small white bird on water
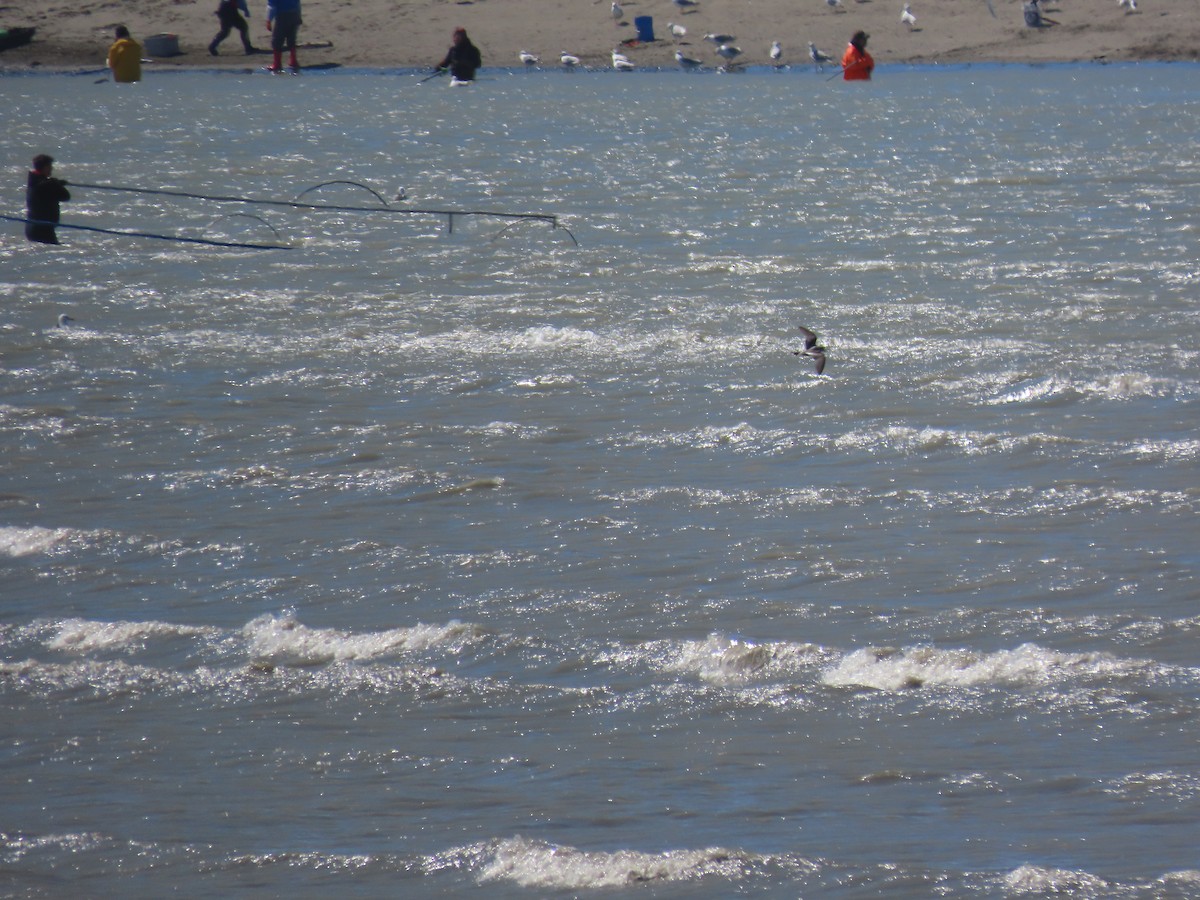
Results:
x,y
687,62
64,320
621,62
528,58
776,53
907,17
569,60
819,57
677,31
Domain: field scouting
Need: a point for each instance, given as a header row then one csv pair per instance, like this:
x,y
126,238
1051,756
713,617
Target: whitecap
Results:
x,y
284,641
889,669
16,541
83,636
725,660
535,864
1030,879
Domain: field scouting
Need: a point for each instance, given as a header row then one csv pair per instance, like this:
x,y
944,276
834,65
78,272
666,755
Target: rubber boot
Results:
x,y
293,64
277,65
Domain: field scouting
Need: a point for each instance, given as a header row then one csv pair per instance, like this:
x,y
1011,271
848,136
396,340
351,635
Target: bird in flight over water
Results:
x,y
812,349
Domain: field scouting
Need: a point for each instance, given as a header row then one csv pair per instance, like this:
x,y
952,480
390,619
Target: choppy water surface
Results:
x,y
424,563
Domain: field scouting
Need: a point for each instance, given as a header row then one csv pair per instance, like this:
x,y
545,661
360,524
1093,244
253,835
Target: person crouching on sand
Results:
x,y
125,57
857,63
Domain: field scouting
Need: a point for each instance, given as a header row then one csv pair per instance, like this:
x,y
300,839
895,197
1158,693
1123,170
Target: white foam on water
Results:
x,y
720,659
535,864
1029,879
83,636
16,541
889,669
283,640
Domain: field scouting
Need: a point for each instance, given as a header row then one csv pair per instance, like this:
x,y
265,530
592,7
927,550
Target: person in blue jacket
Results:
x,y
283,21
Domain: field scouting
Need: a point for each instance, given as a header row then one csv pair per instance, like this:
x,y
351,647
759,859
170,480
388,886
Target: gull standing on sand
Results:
x,y
1131,5
819,57
776,53
528,58
568,60
720,39
835,5
621,62
677,31
617,11
686,62
686,5
907,17
729,53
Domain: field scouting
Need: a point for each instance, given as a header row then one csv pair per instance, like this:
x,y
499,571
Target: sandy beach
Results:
x,y
415,33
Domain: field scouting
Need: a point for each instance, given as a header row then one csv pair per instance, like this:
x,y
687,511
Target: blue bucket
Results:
x,y
645,28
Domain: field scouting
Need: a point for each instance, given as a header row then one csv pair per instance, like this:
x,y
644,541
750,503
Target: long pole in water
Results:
x,y
147,234
294,204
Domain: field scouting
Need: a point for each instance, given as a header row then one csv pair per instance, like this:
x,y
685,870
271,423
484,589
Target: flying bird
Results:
x,y
819,57
776,53
687,62
528,58
812,349
907,17
568,60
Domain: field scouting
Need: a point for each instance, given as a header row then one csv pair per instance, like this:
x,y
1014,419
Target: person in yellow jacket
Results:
x,y
125,57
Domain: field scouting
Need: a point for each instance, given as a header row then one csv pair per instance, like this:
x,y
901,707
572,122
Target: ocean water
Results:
x,y
424,562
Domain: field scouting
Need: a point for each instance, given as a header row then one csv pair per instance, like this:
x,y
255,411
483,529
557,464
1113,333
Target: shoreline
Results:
x,y
515,71
413,34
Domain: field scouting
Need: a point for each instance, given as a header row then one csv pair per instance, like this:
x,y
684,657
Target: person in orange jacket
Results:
x,y
857,63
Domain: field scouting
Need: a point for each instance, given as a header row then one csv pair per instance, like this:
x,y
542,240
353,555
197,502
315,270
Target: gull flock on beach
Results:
x,y
732,57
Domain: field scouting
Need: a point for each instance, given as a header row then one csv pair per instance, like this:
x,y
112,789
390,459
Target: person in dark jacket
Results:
x,y
42,196
463,57
230,14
